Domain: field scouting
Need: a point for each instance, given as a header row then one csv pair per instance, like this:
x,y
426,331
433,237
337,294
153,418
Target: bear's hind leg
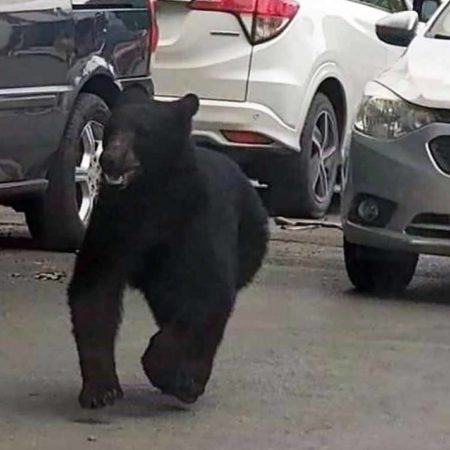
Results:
x,y
179,358
192,299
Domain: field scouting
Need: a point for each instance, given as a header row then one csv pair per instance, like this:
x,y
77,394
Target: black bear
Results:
x,y
182,225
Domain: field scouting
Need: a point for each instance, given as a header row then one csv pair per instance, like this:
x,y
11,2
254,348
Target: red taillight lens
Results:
x,y
277,8
246,137
270,17
154,31
154,38
232,6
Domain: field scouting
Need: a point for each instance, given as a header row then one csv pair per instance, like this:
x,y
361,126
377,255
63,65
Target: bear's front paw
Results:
x,y
98,395
178,382
171,368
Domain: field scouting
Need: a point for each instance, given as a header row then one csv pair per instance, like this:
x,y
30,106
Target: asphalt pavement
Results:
x,y
306,363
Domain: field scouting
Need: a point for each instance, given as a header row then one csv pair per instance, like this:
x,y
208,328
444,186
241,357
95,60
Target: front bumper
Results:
x,y
217,115
405,174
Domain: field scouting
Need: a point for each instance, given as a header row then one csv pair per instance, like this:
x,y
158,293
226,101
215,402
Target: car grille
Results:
x,y
435,226
440,152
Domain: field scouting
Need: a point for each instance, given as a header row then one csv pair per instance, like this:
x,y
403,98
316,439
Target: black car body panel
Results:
x,y
50,51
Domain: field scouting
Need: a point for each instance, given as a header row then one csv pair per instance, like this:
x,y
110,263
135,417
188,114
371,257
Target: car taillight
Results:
x,y
154,31
270,17
246,137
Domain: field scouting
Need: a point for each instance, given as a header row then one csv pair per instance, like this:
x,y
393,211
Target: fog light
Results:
x,y
368,210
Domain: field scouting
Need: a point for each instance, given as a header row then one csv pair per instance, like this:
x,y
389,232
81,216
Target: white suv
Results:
x,y
279,82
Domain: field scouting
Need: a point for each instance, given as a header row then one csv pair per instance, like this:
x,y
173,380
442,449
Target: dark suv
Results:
x,y
63,63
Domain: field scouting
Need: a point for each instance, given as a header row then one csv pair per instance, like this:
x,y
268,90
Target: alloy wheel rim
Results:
x,y
324,148
88,170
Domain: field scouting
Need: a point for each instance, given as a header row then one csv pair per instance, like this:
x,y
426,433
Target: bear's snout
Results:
x,y
118,161
109,164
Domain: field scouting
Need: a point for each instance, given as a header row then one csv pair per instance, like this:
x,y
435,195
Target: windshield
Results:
x,y
441,28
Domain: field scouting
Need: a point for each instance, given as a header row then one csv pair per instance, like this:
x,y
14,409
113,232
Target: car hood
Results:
x,y
422,74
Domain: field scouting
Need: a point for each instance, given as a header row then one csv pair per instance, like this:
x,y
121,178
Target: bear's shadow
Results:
x,y
61,402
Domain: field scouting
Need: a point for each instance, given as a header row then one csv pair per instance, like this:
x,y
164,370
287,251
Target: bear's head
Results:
x,y
145,138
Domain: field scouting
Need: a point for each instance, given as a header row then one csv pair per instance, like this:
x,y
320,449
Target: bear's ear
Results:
x,y
191,105
132,96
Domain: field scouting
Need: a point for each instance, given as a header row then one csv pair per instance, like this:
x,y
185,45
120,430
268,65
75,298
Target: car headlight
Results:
x,y
384,115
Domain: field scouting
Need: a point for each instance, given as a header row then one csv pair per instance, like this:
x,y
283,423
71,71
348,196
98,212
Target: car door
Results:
x,y
35,47
206,52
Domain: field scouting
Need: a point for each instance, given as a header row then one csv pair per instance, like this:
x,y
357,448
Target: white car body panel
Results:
x,y
328,39
422,75
267,88
193,55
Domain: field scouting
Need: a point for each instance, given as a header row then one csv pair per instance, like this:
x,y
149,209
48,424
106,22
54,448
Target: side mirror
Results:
x,y
398,29
428,8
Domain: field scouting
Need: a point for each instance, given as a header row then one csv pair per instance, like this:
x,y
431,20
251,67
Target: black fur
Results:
x,y
185,228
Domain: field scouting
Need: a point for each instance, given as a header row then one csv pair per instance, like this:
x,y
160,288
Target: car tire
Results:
x,y
58,220
303,184
378,271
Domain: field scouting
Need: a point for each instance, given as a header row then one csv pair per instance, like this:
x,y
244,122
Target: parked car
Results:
x,y
62,64
280,82
396,200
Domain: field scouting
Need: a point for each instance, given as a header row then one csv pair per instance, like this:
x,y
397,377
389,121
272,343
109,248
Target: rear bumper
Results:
x,y
216,115
145,81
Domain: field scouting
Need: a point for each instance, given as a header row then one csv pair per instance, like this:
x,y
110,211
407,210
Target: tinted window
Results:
x,y
441,28
388,5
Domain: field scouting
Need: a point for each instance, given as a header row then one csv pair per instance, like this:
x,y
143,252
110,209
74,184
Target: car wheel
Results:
x,y
379,271
59,219
304,184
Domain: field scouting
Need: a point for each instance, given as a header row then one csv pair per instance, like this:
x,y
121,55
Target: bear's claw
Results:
x,y
98,396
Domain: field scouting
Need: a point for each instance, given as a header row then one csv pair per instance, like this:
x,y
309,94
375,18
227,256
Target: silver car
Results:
x,y
396,198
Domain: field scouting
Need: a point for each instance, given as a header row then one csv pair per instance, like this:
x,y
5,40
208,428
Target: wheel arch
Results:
x,y
334,90
329,80
103,86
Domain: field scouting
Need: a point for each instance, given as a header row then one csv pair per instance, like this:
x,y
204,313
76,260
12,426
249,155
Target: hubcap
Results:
x,y
324,147
88,171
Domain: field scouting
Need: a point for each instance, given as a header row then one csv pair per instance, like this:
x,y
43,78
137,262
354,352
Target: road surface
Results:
x,y
306,362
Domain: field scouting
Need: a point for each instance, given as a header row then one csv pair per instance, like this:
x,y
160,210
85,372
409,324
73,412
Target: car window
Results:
x,y
428,9
441,28
388,5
